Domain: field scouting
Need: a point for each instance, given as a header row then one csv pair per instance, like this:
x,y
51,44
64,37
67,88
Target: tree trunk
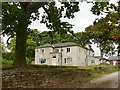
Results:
x,y
20,49
118,50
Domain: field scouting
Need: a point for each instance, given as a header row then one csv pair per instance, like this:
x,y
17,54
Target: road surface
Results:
x,y
106,81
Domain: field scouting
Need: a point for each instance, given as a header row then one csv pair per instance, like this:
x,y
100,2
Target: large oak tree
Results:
x,y
16,16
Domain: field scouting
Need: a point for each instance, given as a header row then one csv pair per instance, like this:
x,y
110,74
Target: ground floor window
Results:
x,y
93,61
42,61
69,61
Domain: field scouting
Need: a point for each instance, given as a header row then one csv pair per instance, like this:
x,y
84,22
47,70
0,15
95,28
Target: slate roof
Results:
x,y
43,46
61,45
65,44
58,45
114,58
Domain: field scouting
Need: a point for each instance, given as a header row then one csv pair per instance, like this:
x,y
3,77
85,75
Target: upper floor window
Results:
x,y
68,49
37,50
42,51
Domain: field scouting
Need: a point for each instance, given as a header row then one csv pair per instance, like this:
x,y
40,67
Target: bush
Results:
x,y
8,55
5,61
28,60
112,69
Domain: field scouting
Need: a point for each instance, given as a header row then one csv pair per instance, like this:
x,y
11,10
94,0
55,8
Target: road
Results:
x,y
105,81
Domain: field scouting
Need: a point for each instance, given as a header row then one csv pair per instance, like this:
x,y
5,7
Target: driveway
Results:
x,y
106,81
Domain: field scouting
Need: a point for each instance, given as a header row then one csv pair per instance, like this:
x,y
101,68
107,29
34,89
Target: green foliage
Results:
x,y
102,30
7,63
112,69
82,38
105,69
94,74
98,7
28,60
30,48
100,33
8,55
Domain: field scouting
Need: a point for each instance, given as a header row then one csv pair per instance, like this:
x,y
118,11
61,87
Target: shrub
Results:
x,y
8,55
28,60
112,69
5,61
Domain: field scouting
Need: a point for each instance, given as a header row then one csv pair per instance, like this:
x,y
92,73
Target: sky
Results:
x,y
82,19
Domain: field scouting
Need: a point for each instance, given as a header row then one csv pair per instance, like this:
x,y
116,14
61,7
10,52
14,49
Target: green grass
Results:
x,y
112,69
93,66
107,70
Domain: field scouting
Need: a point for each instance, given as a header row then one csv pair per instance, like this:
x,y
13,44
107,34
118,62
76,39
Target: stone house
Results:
x,y
66,54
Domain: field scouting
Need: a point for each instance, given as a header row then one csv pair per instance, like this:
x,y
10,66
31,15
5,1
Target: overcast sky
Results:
x,y
82,19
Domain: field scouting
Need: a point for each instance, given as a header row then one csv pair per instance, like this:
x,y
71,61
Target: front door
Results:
x,y
54,61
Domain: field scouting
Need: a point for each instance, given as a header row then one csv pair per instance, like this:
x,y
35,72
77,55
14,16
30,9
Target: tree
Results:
x,y
100,32
103,31
18,15
96,34
82,38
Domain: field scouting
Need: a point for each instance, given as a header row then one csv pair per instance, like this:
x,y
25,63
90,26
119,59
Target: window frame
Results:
x,y
68,50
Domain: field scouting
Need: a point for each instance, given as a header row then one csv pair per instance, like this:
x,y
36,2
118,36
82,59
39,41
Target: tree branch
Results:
x,y
45,10
32,7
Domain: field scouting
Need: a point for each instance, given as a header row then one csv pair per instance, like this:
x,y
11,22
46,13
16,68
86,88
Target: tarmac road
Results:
x,y
106,81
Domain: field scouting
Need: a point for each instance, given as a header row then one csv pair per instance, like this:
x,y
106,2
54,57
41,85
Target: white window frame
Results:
x,y
69,60
42,61
68,50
